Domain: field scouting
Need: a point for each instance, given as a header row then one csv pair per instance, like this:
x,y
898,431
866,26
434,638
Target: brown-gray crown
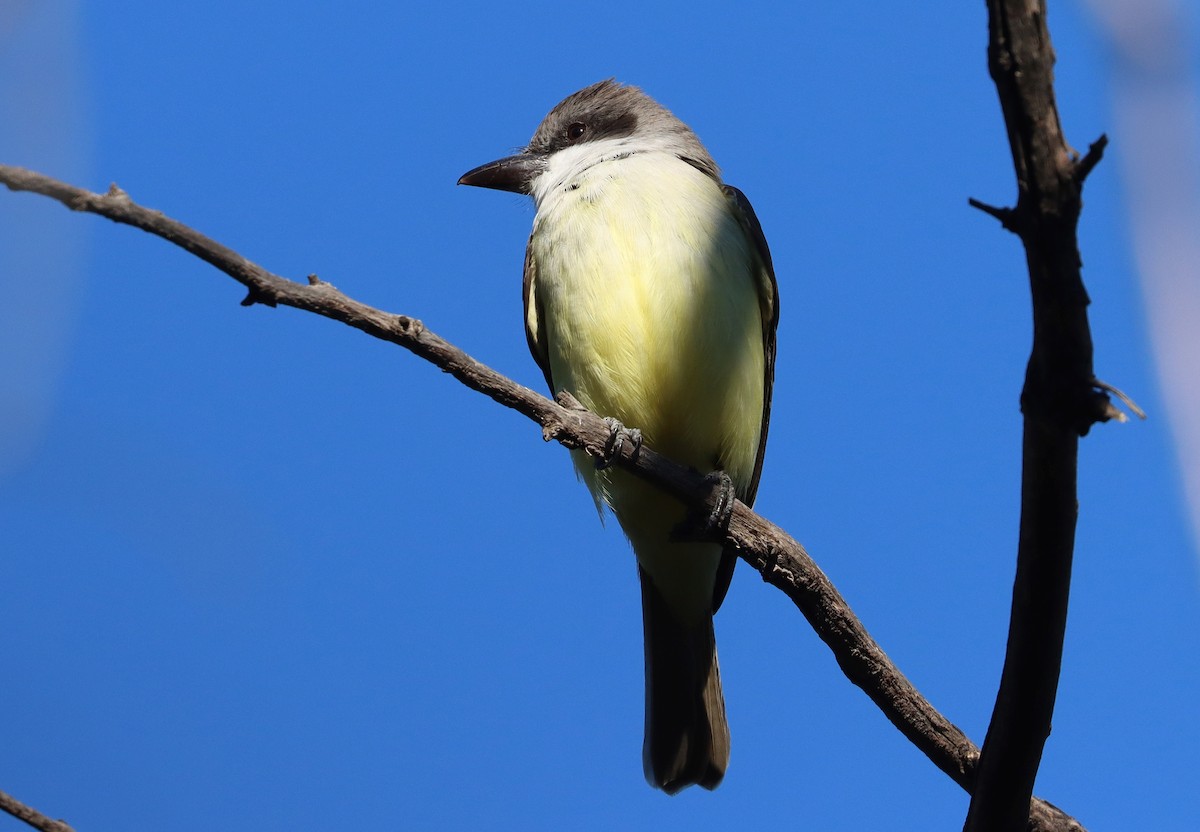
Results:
x,y
608,110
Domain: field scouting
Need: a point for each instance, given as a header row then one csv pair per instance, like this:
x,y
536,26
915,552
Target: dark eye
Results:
x,y
576,130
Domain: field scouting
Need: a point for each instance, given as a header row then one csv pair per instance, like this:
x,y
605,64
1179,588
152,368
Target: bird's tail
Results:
x,y
687,737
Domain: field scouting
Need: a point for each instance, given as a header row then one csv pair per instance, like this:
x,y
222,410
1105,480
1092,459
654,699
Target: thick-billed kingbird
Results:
x,y
650,297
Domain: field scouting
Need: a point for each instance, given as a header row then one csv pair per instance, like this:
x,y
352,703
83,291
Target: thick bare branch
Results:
x,y
1060,401
781,560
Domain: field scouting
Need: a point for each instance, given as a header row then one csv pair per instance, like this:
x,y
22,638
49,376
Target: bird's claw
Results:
x,y
726,496
618,434
698,525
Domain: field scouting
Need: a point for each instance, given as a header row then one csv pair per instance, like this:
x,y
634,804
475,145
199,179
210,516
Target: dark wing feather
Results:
x,y
535,323
768,299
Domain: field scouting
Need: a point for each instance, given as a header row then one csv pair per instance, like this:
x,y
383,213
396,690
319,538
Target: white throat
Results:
x,y
566,168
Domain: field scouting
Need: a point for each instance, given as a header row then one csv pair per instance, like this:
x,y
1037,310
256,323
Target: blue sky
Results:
x,y
261,571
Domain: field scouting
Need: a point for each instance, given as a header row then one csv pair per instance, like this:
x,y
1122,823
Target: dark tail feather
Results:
x,y
687,738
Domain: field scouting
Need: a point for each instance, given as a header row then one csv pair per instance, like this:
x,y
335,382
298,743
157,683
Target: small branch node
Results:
x,y
568,401
114,192
1007,216
259,294
411,327
1090,159
316,284
556,431
770,563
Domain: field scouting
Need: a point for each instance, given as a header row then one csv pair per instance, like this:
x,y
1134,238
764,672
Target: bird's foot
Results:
x,y
618,435
722,511
700,525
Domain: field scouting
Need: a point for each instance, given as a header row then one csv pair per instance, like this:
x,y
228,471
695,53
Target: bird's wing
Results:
x,y
535,332
768,302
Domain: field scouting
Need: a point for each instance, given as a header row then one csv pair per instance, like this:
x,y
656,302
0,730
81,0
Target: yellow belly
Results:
x,y
646,285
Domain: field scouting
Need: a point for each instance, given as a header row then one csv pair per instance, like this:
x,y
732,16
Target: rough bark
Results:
x,y
1060,401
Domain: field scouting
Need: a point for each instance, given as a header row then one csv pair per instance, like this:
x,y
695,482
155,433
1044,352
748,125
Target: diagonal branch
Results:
x,y
780,560
1060,401
31,816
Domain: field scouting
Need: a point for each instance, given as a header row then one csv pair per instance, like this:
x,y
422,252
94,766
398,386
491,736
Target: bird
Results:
x,y
650,297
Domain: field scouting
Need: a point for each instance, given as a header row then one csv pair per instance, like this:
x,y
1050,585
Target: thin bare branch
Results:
x,y
32,816
780,560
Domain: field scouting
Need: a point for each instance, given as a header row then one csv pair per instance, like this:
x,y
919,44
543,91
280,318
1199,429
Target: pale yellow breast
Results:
x,y
648,292
647,288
